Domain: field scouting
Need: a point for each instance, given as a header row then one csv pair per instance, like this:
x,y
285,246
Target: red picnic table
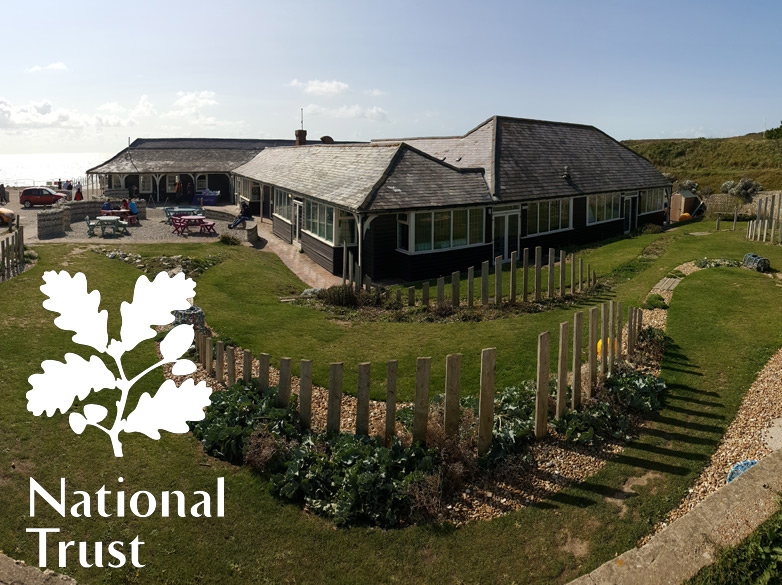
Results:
x,y
183,223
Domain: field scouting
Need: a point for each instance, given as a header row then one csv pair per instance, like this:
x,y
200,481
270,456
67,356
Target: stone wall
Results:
x,y
50,223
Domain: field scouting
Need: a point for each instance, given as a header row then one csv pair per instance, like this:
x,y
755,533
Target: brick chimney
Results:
x,y
301,137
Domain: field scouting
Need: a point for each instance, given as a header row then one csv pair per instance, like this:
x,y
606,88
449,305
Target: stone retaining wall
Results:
x,y
50,223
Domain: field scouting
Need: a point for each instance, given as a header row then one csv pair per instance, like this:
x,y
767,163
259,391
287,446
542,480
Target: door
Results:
x,y
298,219
631,213
506,235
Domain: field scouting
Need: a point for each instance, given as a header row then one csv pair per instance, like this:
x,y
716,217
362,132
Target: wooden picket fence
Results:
x,y
351,275
12,254
768,216
613,350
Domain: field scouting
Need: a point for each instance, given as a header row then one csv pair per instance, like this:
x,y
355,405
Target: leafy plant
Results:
x,y
229,240
655,301
231,417
62,383
353,479
339,296
636,392
596,422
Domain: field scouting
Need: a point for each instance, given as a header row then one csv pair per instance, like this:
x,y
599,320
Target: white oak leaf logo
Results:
x,y
152,305
78,309
170,409
62,383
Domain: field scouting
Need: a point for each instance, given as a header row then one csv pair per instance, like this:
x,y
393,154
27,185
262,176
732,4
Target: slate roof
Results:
x,y
525,159
181,155
368,177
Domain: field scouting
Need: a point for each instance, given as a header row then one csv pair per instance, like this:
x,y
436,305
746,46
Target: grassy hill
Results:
x,y
712,161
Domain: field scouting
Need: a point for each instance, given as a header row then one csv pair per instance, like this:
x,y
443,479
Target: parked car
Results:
x,y
6,216
39,196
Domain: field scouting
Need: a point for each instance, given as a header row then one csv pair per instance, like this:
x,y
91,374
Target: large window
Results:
x,y
170,183
200,182
440,230
604,207
548,216
282,204
651,201
319,220
145,184
347,229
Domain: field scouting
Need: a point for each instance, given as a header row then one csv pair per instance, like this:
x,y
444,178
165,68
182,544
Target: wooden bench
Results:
x,y
208,227
91,225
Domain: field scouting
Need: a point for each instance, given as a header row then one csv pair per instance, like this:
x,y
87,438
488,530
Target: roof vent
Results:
x,y
327,140
566,174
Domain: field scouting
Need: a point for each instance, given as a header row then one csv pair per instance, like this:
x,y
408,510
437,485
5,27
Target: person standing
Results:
x,y
78,196
3,194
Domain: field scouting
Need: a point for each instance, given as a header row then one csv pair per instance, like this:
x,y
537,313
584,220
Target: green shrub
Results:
x,y
651,228
514,419
594,423
229,240
342,295
655,301
636,392
355,480
233,415
716,262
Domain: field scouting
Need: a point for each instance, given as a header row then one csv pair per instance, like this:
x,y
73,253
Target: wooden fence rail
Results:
x,y
610,355
12,254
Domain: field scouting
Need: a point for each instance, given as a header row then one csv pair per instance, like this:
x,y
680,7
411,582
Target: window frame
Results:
x,y
551,206
410,221
146,179
606,201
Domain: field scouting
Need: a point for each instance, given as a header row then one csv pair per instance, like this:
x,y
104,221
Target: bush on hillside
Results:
x,y
688,185
774,133
727,186
746,189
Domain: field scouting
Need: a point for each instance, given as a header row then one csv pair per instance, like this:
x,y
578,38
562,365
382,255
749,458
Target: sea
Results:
x,y
26,170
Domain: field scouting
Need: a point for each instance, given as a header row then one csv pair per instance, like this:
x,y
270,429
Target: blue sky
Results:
x,y
85,76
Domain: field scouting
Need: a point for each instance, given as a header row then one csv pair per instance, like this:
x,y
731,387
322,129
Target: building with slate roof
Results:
x,y
157,166
417,208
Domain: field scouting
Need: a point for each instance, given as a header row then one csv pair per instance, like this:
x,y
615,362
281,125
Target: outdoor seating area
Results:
x,y
108,224
181,210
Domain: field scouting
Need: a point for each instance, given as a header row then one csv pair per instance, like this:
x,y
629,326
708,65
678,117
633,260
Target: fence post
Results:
x,y
589,276
362,399
451,422
399,296
758,221
390,401
572,273
779,215
421,404
576,393
199,347
603,340
765,219
552,254
592,351
209,356
718,225
344,262
580,274
611,336
470,286
513,276
220,365
284,385
538,268
351,267
736,216
231,364
541,392
524,274
619,330
486,400
773,218
411,296
630,326
3,254
455,292
425,294
305,393
485,283
247,366
334,408
263,371
562,371
640,321
562,273
359,278
498,280
440,292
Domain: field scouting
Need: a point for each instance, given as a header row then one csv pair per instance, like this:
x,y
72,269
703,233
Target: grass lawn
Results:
x,y
721,338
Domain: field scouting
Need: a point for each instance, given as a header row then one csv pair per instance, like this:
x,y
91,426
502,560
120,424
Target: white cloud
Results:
x,y
375,92
188,107
353,112
324,88
58,66
44,114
